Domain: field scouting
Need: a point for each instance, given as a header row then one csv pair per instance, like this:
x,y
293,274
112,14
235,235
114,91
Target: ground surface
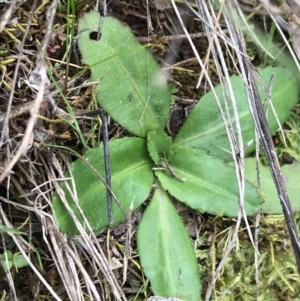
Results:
x,y
25,210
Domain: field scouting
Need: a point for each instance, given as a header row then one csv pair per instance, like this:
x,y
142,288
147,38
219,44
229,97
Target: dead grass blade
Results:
x,y
21,243
261,126
6,17
39,79
87,242
211,27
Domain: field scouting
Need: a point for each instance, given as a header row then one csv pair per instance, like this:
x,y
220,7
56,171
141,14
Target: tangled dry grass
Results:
x,y
44,89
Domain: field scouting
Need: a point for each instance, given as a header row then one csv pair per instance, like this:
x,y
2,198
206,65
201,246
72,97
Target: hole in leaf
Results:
x,y
94,36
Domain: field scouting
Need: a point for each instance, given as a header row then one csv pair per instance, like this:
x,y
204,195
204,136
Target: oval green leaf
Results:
x,y
130,89
204,127
210,186
166,252
268,190
7,259
19,261
132,179
159,146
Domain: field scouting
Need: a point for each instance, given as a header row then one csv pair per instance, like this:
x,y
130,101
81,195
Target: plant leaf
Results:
x,y
267,187
131,90
159,145
204,127
11,230
19,261
166,252
210,185
132,179
7,258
